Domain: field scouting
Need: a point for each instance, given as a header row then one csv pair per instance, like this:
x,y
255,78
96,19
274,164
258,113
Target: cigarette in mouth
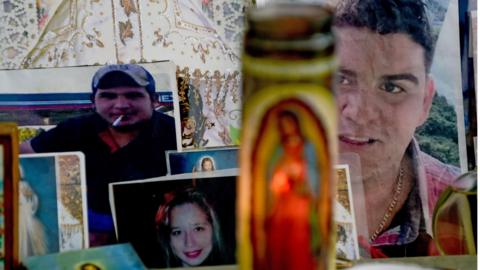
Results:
x,y
117,121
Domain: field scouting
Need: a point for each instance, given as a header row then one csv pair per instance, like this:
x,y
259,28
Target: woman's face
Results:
x,y
191,234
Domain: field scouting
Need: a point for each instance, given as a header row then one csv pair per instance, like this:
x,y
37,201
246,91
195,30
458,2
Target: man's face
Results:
x,y
383,94
134,104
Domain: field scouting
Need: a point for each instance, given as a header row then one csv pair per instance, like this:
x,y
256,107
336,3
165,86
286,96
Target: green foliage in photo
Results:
x,y
438,137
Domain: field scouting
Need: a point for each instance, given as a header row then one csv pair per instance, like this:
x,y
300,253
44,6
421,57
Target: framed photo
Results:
x,y
53,206
347,237
178,220
201,160
9,196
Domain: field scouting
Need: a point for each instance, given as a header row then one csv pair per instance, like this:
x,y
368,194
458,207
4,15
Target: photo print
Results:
x,y
189,161
347,239
52,95
53,206
179,220
98,258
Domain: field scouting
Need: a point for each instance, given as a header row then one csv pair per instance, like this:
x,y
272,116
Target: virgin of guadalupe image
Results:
x,y
294,178
291,199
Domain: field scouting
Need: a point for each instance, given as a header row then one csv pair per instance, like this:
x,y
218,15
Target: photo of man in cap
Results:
x,y
124,139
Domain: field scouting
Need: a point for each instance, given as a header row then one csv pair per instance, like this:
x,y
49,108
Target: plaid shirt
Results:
x,y
433,177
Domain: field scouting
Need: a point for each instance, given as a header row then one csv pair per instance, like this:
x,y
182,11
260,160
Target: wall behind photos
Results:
x,y
202,37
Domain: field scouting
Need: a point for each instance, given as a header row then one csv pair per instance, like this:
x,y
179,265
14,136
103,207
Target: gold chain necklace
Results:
x,y
393,203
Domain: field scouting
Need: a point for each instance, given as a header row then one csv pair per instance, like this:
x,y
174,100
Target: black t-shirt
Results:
x,y
142,158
